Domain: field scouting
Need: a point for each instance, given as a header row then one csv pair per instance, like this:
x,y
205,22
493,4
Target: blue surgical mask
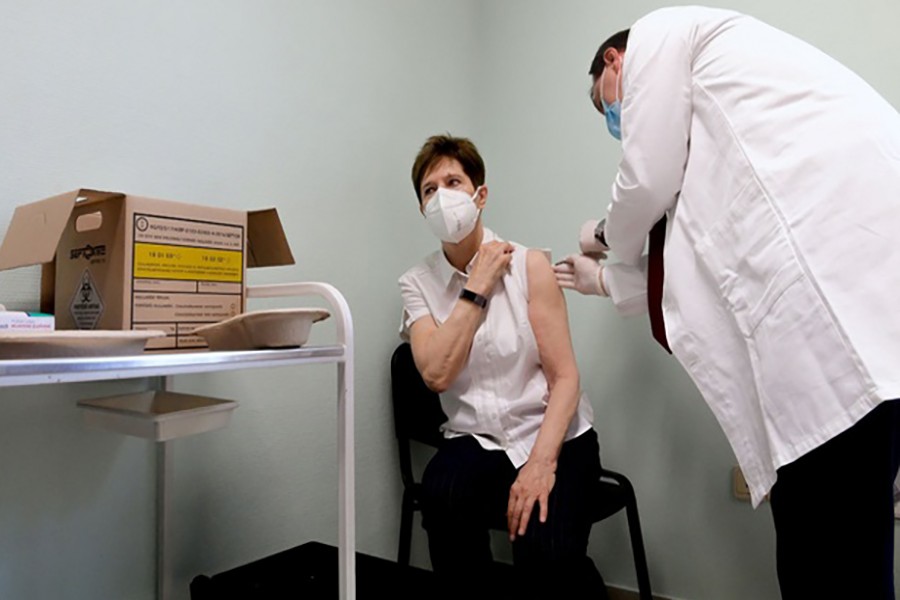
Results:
x,y
612,111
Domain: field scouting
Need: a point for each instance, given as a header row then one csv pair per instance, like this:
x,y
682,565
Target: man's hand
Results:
x,y
491,263
588,242
581,273
534,483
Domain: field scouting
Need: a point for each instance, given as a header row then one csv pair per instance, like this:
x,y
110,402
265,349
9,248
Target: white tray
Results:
x,y
276,328
19,344
158,416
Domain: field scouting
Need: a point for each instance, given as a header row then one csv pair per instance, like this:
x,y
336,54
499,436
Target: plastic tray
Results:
x,y
158,416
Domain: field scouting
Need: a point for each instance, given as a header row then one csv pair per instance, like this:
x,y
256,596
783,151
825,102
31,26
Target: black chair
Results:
x,y
418,417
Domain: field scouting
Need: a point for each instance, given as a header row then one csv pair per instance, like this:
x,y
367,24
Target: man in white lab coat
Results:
x,y
778,170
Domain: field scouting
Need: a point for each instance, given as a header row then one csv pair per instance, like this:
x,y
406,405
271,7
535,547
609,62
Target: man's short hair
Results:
x,y
438,147
618,41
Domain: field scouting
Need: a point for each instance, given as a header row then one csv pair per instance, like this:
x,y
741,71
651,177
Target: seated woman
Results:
x,y
489,332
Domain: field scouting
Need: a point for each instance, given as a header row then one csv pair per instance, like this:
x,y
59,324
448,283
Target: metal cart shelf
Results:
x,y
164,366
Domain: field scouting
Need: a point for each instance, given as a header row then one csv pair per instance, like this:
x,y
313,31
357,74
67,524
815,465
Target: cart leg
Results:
x,y
346,505
163,474
163,497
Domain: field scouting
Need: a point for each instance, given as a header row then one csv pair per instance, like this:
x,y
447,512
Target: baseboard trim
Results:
x,y
616,593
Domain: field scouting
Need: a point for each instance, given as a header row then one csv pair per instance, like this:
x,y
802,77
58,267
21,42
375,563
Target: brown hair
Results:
x,y
438,147
618,41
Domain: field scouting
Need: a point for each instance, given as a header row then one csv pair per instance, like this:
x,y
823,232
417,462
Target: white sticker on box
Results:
x,y
185,271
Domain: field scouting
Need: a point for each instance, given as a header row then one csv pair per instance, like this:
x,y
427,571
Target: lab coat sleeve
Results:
x,y
627,287
656,120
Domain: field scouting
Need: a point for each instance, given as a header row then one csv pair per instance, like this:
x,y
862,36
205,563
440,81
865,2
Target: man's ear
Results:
x,y
481,199
609,56
612,58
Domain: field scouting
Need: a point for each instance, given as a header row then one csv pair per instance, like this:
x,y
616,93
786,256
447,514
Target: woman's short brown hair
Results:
x,y
438,147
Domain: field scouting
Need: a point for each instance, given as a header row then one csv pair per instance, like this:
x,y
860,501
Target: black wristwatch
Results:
x,y
471,296
600,234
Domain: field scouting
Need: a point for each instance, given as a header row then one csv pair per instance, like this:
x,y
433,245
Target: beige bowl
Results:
x,y
276,328
19,344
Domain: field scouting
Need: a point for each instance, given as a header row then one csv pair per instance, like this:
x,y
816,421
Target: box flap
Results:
x,y
35,228
267,245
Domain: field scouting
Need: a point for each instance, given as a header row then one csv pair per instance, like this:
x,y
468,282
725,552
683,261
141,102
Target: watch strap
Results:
x,y
600,234
472,297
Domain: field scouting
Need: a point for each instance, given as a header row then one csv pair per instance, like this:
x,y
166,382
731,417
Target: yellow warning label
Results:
x,y
160,261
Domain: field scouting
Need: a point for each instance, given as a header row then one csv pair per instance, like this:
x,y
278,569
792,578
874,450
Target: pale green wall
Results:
x,y
318,108
314,107
550,165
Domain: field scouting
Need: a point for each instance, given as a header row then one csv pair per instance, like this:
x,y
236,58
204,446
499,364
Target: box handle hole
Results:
x,y
88,222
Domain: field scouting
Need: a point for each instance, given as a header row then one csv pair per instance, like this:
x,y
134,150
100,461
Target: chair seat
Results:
x,y
610,499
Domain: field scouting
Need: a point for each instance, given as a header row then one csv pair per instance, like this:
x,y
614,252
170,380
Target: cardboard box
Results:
x,y
117,261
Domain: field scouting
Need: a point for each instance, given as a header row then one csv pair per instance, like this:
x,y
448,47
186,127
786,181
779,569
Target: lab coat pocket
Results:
x,y
796,348
798,352
748,254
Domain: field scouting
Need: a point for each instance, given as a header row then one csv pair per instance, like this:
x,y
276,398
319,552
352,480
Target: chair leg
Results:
x,y
637,548
406,518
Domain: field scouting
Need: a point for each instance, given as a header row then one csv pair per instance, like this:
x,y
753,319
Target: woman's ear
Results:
x,y
481,196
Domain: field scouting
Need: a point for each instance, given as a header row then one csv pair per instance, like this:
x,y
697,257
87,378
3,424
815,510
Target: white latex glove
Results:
x,y
581,273
588,243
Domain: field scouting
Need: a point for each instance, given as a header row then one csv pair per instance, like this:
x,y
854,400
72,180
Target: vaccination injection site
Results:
x,y
450,300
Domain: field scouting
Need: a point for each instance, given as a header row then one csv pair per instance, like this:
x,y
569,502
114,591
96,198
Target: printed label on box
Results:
x,y
185,270
158,261
86,306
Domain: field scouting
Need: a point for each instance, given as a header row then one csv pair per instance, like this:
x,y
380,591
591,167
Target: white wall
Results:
x,y
318,108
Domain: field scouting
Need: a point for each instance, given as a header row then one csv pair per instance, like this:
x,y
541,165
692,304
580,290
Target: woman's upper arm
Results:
x,y
419,332
418,324
549,318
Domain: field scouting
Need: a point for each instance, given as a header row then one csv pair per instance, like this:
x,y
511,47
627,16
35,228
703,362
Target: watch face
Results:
x,y
473,297
599,232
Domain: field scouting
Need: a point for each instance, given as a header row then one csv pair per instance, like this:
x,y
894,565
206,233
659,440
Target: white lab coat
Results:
x,y
779,170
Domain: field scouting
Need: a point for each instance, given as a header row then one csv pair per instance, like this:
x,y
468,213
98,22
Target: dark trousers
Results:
x,y
465,494
834,513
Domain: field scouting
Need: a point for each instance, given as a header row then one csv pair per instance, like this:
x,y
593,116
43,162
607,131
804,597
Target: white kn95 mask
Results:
x,y
451,214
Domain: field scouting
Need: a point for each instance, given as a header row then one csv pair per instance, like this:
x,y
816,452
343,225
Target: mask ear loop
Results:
x,y
474,196
603,102
618,84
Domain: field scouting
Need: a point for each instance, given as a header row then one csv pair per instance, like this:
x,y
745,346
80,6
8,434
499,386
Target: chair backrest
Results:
x,y
417,409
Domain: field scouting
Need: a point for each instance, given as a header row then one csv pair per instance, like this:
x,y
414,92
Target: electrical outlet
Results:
x,y
739,485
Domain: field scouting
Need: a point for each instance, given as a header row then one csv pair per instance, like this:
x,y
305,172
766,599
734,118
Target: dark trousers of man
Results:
x,y
466,490
834,513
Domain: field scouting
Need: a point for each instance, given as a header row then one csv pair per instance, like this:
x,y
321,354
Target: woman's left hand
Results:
x,y
534,483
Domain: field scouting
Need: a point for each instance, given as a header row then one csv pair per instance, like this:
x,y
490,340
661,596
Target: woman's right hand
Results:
x,y
491,263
